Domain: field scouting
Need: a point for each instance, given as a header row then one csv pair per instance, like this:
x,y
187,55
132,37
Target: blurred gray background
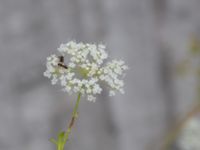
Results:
x,y
150,35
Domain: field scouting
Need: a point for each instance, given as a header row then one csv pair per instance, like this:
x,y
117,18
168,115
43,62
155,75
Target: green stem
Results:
x,y
61,145
77,104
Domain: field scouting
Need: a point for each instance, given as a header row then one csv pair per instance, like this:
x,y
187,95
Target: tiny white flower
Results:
x,y
91,98
72,65
63,80
85,70
121,91
54,80
47,74
96,89
89,90
112,93
67,88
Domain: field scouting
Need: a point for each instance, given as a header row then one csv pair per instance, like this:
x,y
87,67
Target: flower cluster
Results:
x,y
84,69
190,136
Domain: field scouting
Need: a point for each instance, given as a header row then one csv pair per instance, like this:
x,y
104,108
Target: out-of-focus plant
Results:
x,y
190,135
191,64
80,68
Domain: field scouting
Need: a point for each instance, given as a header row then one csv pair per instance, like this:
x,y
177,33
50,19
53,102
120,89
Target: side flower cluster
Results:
x,y
84,69
190,136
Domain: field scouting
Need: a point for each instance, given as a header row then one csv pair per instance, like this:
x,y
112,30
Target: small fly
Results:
x,y
61,62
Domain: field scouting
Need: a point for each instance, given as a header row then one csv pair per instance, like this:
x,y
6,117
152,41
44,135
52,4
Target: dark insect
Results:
x,y
61,59
61,62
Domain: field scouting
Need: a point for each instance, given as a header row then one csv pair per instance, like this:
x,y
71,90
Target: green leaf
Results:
x,y
61,140
52,140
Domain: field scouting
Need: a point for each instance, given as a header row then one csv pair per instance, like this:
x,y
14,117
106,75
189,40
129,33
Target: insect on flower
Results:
x,y
61,62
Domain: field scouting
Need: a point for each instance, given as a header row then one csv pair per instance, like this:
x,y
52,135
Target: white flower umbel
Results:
x,y
190,136
80,68
84,69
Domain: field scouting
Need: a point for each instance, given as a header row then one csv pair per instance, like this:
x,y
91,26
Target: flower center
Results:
x,y
82,72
